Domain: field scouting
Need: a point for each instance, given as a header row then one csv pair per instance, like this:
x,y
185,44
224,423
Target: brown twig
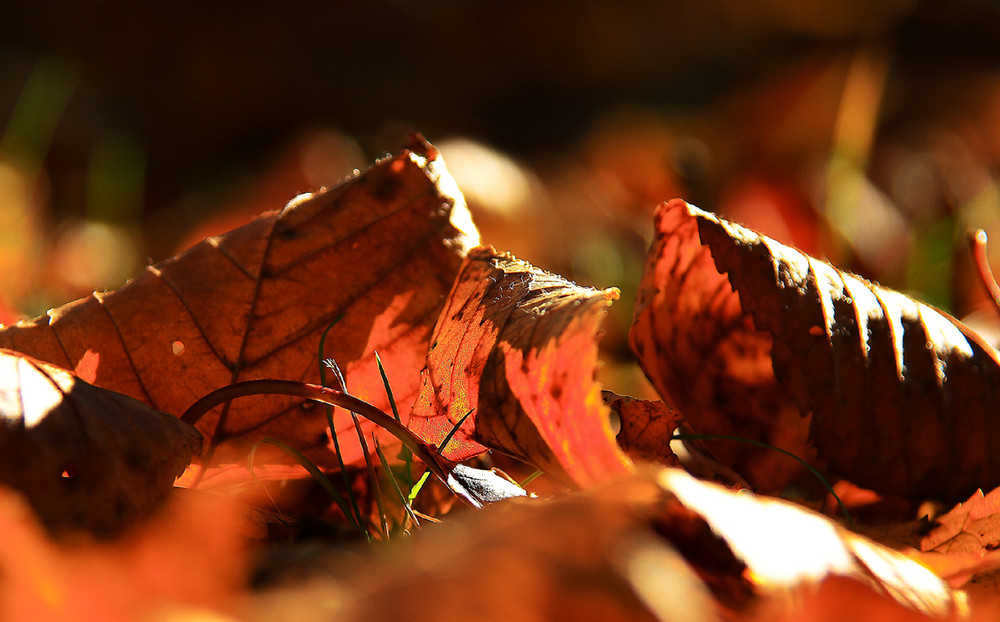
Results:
x,y
437,464
977,244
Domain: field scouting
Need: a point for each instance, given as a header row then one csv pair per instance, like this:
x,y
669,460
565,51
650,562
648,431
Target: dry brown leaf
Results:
x,y
646,427
591,556
703,355
85,457
902,395
969,527
374,256
516,348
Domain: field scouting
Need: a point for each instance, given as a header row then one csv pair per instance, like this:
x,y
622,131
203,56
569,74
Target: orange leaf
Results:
x,y
187,562
516,347
838,598
374,256
704,356
655,544
84,456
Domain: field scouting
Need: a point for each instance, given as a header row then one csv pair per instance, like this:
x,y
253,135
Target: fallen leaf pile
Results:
x,y
465,353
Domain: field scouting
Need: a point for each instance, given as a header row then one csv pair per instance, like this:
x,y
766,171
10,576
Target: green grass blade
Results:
x,y
454,428
323,365
404,454
372,476
388,389
395,484
532,477
417,488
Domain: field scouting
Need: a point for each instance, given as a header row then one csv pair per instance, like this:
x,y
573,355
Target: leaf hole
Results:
x,y
69,477
177,347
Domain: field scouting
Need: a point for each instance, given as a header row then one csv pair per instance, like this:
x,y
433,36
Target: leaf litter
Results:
x,y
725,326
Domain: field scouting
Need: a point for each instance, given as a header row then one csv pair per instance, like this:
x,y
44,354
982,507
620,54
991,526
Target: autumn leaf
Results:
x,y
373,257
515,351
900,394
84,456
970,527
704,356
646,427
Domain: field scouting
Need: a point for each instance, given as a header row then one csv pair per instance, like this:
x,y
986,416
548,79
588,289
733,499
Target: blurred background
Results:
x,y
866,132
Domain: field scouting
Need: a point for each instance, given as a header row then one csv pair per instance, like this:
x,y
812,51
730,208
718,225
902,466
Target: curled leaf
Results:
x,y
516,347
373,256
903,396
705,357
84,456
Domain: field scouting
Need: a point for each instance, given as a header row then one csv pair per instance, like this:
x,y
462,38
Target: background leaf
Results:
x,y
187,562
591,556
645,427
